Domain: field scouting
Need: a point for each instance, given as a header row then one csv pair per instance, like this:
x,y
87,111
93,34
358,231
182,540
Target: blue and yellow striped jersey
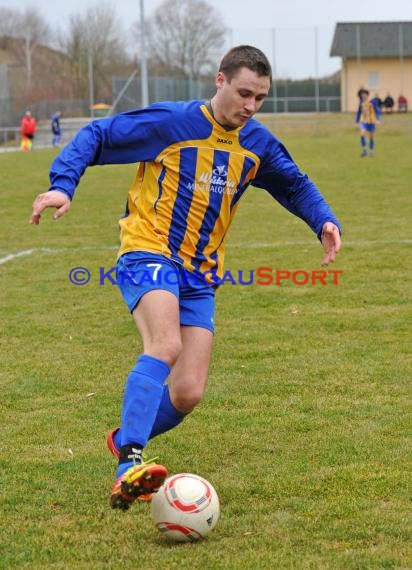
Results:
x,y
190,177
368,112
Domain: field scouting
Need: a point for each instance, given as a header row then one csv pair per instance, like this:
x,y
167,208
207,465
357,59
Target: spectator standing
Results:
x,y
28,128
56,129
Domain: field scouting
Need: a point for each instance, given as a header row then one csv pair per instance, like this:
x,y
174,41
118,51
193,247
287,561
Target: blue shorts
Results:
x,y
139,272
370,127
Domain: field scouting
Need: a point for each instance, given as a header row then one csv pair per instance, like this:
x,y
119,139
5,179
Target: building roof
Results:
x,y
372,39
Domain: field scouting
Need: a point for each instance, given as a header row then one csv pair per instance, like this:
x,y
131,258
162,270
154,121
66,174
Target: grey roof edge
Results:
x,y
372,39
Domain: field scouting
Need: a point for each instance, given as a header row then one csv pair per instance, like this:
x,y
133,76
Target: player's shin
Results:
x,y
141,401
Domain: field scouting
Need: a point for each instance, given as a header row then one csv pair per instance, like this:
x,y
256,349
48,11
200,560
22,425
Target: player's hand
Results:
x,y
331,242
51,199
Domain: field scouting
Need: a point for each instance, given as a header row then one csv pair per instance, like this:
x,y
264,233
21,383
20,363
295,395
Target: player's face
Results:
x,y
236,101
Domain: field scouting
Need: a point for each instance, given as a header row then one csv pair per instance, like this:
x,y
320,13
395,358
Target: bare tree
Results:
x,y
9,25
35,32
184,35
28,25
95,37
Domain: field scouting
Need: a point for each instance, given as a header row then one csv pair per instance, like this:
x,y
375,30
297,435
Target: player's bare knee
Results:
x,y
186,402
167,350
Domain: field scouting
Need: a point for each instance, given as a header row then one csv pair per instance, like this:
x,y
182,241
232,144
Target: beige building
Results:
x,y
376,56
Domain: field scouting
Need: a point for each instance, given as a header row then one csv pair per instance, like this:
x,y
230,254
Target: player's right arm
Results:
x,y
136,136
51,199
122,139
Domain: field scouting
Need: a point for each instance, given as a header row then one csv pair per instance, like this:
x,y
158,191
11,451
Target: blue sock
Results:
x,y
363,142
167,418
141,400
371,144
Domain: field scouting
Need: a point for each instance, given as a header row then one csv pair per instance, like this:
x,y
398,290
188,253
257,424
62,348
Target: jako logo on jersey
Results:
x,y
224,141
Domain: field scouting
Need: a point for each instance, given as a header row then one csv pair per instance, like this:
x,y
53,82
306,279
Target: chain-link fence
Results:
x,y
4,92
42,110
285,96
296,54
10,137
306,78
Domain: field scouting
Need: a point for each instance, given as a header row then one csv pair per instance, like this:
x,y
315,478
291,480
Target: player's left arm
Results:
x,y
331,242
52,199
280,176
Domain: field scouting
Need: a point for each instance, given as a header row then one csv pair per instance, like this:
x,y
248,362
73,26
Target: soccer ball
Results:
x,y
186,507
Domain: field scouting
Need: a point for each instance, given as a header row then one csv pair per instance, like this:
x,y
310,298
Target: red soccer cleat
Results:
x,y
138,482
110,442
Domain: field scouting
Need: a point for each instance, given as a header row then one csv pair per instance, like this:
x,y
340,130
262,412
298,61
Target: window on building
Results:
x,y
373,80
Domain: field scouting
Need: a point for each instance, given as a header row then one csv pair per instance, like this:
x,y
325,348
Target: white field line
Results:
x,y
12,256
52,251
263,245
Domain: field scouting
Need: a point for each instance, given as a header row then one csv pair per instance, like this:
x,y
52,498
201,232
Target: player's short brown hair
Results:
x,y
245,56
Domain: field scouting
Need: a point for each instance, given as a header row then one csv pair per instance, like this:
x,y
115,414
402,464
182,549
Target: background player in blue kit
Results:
x,y
196,160
56,129
368,116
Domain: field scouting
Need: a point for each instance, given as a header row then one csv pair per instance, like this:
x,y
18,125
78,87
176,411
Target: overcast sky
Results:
x,y
296,35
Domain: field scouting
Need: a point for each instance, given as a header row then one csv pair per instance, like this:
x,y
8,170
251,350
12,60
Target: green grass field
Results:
x,y
305,430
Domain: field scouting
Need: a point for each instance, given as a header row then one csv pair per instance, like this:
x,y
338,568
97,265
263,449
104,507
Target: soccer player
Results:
x,y
196,160
368,115
56,129
28,126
